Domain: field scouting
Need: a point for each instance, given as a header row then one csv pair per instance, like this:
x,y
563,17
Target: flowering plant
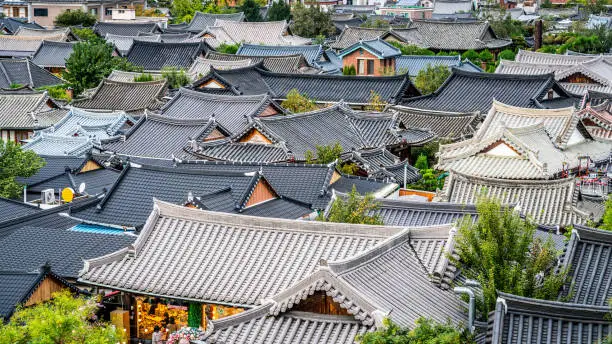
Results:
x,y
185,335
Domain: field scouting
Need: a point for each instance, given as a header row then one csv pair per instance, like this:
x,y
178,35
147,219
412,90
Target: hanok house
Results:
x,y
296,64
22,111
526,157
26,45
582,317
236,32
315,56
467,91
256,189
374,57
325,89
126,29
323,286
576,73
28,288
292,137
52,55
154,56
131,97
597,119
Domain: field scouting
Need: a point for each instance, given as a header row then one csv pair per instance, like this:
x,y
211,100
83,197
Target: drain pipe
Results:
x,y
472,305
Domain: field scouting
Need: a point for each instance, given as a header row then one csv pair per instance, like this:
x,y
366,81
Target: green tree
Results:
x,y
431,78
325,154
75,18
177,78
507,55
63,320
472,56
607,216
349,70
84,34
56,91
90,62
411,49
426,332
145,77
228,48
251,11
355,209
15,162
279,11
500,252
485,56
421,163
376,103
297,102
311,22
184,10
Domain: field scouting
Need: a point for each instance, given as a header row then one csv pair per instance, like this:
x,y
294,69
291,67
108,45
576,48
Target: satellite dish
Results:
x,y
82,188
67,195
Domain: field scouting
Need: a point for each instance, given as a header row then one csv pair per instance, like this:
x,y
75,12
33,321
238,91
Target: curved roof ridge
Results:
x,y
222,97
541,183
521,111
418,111
118,82
169,209
176,121
300,115
461,72
76,111
331,76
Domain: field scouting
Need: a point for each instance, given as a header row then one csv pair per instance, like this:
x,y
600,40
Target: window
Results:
x,y
108,11
41,12
121,11
370,67
93,11
360,67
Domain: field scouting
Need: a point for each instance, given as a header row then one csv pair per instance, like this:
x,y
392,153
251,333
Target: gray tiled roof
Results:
x,y
202,20
232,112
25,46
320,87
29,248
47,218
96,125
122,76
11,25
49,144
312,53
124,43
257,327
54,166
125,29
444,124
588,257
452,6
154,56
291,136
545,142
413,64
265,33
397,262
413,213
519,320
351,35
15,288
277,64
130,200
282,257
458,35
143,139
549,202
202,66
24,31
376,46
469,91
381,164
24,72
52,54
21,110
10,209
124,96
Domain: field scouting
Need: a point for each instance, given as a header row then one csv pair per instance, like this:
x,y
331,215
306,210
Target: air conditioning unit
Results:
x,y
47,196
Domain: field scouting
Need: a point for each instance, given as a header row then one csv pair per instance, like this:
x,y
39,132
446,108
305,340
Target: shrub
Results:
x,y
507,55
75,18
228,48
349,70
297,102
176,77
143,77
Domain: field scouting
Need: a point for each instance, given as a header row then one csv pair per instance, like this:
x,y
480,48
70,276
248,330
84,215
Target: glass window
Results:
x,y
41,12
108,11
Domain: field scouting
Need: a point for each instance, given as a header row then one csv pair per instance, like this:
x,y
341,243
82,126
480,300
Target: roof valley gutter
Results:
x,y
125,228
127,290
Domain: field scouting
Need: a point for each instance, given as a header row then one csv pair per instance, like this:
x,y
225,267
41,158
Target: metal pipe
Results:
x,y
472,305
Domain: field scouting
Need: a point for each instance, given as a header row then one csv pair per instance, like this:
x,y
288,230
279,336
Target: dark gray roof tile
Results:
x,y
52,54
125,29
154,56
125,96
